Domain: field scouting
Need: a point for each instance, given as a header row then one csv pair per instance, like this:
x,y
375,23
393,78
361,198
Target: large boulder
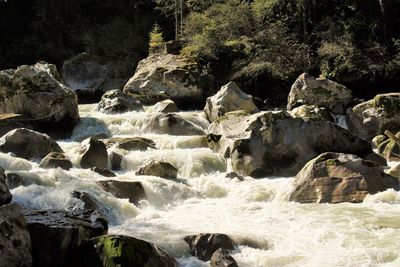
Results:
x,y
373,117
125,251
56,160
115,101
12,121
202,246
133,191
91,76
337,177
39,97
272,143
308,90
312,112
131,143
28,144
172,124
57,235
166,76
94,154
5,195
15,242
222,258
160,169
229,98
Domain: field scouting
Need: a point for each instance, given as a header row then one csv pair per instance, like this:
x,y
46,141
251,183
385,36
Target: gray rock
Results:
x,y
160,169
95,155
131,143
56,160
222,258
166,106
311,112
5,195
104,172
171,124
133,191
116,160
115,101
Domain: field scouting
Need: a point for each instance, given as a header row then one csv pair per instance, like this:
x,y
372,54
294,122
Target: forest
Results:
x,y
263,45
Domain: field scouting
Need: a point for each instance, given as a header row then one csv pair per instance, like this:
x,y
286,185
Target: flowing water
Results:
x,y
256,213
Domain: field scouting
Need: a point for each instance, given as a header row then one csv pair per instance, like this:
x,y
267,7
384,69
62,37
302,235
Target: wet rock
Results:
x,y
233,175
166,76
373,117
222,258
166,106
116,160
28,144
125,251
229,98
15,179
172,124
55,160
202,246
115,101
160,169
311,112
95,155
133,191
57,235
38,95
272,143
5,195
131,143
337,177
89,202
15,242
97,136
104,172
321,92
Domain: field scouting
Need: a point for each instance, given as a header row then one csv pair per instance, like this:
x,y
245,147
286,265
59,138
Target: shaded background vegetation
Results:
x,y
262,44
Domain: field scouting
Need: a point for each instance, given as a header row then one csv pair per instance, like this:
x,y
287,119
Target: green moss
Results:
x,y
333,162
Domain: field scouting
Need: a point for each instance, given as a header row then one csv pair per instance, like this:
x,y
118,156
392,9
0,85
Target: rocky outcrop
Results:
x,y
222,258
171,124
337,177
275,144
15,242
125,251
91,76
131,143
57,235
94,155
115,101
28,144
39,97
202,246
166,76
160,169
133,191
321,92
5,195
56,160
373,117
165,106
229,98
311,112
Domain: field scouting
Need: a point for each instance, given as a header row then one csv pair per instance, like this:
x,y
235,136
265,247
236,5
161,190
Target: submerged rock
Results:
x,y
115,101
28,144
125,251
202,246
373,117
133,191
15,179
160,169
229,98
222,258
172,124
15,242
95,155
5,195
337,177
56,160
131,143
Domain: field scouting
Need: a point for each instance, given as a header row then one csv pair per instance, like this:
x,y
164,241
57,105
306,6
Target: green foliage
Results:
x,y
156,38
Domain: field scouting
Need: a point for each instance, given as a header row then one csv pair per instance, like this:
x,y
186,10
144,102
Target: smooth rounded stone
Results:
x,y
56,160
165,76
222,258
171,124
15,242
115,101
57,235
165,106
395,170
373,117
134,191
28,144
104,172
116,160
160,169
272,143
125,251
5,195
94,155
202,246
97,136
131,143
312,112
38,95
229,98
338,177
308,90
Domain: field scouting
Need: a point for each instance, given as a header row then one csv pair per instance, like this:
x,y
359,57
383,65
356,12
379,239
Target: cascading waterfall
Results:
x,y
256,213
